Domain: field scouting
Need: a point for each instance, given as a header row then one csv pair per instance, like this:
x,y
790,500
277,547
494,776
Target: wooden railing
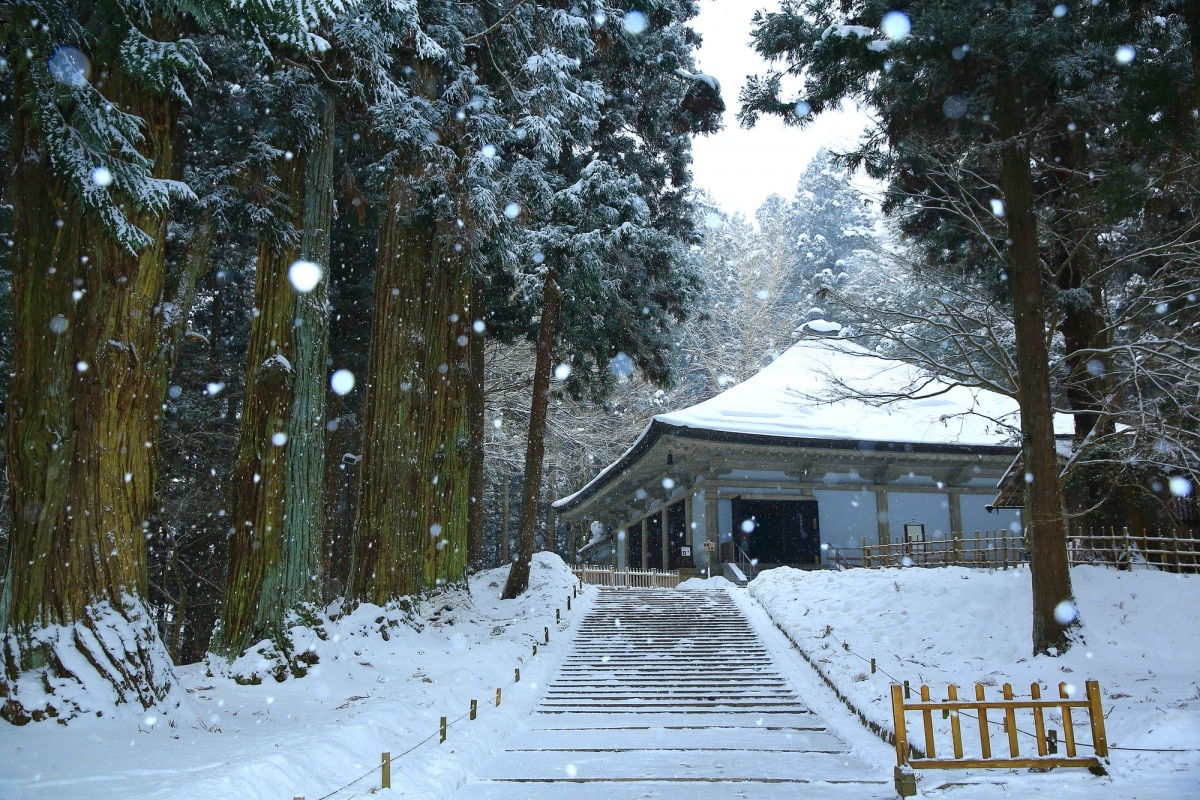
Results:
x,y
1172,552
908,757
635,578
996,549
1126,550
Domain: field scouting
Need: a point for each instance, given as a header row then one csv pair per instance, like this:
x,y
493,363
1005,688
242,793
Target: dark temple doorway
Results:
x,y
778,531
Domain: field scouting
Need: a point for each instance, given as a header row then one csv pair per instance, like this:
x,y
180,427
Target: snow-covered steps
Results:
x,y
670,694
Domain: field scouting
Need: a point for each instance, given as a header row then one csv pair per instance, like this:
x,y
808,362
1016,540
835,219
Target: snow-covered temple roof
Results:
x,y
804,394
835,394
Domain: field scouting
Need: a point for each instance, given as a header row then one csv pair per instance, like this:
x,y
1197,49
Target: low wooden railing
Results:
x,y
909,757
635,578
1113,547
995,549
1120,547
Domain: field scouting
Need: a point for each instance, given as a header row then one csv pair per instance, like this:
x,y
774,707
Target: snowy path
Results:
x,y
673,695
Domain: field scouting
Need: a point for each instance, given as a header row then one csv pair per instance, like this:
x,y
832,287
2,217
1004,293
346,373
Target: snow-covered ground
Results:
x,y
967,627
367,694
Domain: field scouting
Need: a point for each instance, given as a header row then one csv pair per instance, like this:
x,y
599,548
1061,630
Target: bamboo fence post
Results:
x,y
385,778
442,726
499,694
474,709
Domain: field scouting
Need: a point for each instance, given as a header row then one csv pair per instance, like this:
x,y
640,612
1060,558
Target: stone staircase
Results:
x,y
670,694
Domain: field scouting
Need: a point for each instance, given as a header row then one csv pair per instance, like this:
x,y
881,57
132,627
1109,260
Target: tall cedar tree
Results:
x,y
97,92
972,74
608,239
434,118
277,513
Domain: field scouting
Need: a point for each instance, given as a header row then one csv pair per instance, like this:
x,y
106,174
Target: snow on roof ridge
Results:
x,y
787,399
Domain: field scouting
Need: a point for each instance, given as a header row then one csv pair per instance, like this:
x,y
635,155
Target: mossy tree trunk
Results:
x,y
276,554
92,348
411,533
1045,523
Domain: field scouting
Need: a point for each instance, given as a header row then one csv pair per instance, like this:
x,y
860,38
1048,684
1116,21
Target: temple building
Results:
x,y
826,448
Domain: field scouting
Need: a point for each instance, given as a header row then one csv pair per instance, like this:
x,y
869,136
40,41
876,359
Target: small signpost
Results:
x,y
710,547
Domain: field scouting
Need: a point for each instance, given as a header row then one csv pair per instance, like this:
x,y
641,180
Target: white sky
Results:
x,y
741,168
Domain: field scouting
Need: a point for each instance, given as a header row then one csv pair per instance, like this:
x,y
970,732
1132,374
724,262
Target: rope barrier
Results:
x,y
388,760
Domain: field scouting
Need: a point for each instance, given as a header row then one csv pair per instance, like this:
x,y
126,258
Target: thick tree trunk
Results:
x,y
410,537
91,354
1045,524
535,449
278,516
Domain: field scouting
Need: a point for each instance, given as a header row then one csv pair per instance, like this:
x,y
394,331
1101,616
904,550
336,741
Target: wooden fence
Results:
x,y
997,549
952,708
1120,548
1113,547
636,578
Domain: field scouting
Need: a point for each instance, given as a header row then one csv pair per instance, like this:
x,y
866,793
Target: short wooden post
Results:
x,y
1096,715
907,692
872,666
1068,725
499,694
547,636
985,738
385,778
568,604
535,648
898,724
927,720
1039,722
442,729
517,675
474,709
558,615
955,726
1010,722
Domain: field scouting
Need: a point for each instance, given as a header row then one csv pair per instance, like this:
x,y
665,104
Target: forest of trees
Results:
x,y
1042,162
321,304
256,261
